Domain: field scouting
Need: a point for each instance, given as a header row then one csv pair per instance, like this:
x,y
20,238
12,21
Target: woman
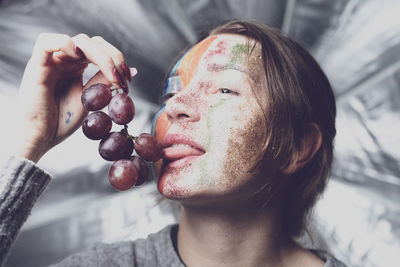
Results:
x,y
247,128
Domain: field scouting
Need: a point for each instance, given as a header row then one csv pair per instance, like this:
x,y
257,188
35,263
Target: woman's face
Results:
x,y
211,126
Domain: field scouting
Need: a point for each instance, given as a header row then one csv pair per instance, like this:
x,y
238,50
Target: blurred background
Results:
x,y
357,43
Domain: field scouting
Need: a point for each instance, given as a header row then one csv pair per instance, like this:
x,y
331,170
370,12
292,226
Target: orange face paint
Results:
x,y
179,78
190,62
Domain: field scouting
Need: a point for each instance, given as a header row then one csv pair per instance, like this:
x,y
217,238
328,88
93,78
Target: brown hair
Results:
x,y
296,92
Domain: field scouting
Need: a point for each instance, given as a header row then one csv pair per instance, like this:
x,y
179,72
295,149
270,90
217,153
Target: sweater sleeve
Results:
x,y
21,183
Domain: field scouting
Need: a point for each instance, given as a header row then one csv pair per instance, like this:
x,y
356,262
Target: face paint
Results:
x,y
172,86
203,171
220,49
226,125
179,77
237,53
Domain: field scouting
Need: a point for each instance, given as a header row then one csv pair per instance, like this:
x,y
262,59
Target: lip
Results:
x,y
184,153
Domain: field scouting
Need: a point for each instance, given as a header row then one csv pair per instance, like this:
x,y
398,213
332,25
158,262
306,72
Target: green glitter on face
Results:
x,y
211,110
237,53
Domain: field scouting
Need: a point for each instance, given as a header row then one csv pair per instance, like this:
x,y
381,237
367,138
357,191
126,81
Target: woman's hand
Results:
x,y
49,99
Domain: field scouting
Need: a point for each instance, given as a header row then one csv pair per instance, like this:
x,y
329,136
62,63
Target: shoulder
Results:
x,y
101,254
330,261
313,257
156,250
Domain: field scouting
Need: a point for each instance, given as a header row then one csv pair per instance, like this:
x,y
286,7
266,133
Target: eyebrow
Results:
x,y
172,85
214,67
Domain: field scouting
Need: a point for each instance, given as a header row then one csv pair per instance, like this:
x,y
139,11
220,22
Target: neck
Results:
x,y
238,236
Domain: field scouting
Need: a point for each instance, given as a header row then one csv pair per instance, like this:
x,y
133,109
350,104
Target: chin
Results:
x,y
190,184
178,182
176,185
187,191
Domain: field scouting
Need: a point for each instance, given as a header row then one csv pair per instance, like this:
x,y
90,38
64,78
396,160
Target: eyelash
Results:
x,y
227,91
221,90
168,96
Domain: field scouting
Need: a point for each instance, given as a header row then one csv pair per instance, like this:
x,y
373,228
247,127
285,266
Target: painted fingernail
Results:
x,y
133,72
126,71
79,52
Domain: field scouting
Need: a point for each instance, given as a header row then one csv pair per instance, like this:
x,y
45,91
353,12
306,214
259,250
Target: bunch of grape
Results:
x,y
127,170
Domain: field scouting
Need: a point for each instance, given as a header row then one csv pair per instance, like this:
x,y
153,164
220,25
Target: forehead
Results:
x,y
215,53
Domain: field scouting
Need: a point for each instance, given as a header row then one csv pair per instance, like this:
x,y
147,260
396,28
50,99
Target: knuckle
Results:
x,y
82,36
98,38
51,40
65,39
119,56
110,63
42,37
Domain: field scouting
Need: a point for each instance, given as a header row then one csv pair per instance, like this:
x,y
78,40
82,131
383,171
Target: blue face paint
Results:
x,y
172,86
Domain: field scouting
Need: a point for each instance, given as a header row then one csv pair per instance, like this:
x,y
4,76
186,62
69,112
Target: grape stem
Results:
x,y
114,91
126,133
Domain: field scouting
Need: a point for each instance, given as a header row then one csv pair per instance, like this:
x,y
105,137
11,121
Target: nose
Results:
x,y
183,106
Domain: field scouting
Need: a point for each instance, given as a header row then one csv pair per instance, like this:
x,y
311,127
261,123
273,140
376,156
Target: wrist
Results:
x,y
29,151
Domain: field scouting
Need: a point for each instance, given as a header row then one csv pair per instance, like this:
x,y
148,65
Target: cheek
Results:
x,y
245,146
236,137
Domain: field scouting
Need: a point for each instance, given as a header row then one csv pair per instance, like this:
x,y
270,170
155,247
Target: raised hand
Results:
x,y
49,99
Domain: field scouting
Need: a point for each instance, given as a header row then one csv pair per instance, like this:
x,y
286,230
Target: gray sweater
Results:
x,y
22,182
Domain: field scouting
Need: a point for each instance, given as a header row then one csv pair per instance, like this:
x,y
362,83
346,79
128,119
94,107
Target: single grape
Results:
x,y
115,146
148,148
143,171
121,109
96,97
123,174
96,125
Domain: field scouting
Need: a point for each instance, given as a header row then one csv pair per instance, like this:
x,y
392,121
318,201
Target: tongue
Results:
x,y
176,152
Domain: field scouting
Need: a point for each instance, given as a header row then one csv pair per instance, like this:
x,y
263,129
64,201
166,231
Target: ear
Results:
x,y
310,144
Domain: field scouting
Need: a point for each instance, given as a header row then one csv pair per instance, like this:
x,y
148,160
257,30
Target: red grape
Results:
x,y
148,148
123,174
96,125
127,170
115,146
121,109
143,171
96,97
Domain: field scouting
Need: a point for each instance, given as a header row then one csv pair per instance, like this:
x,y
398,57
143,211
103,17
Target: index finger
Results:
x,y
96,54
49,43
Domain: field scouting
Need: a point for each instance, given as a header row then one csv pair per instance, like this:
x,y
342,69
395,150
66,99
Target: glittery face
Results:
x,y
210,105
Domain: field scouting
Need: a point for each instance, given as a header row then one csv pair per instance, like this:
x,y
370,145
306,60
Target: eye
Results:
x,y
168,96
225,91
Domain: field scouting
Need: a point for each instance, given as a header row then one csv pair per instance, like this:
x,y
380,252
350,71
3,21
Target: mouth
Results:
x,y
180,151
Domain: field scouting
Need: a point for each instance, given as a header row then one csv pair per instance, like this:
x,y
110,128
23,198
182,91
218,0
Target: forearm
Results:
x,y
21,183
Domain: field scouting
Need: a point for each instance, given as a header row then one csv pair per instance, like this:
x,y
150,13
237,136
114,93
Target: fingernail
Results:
x,y
133,72
79,52
126,71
